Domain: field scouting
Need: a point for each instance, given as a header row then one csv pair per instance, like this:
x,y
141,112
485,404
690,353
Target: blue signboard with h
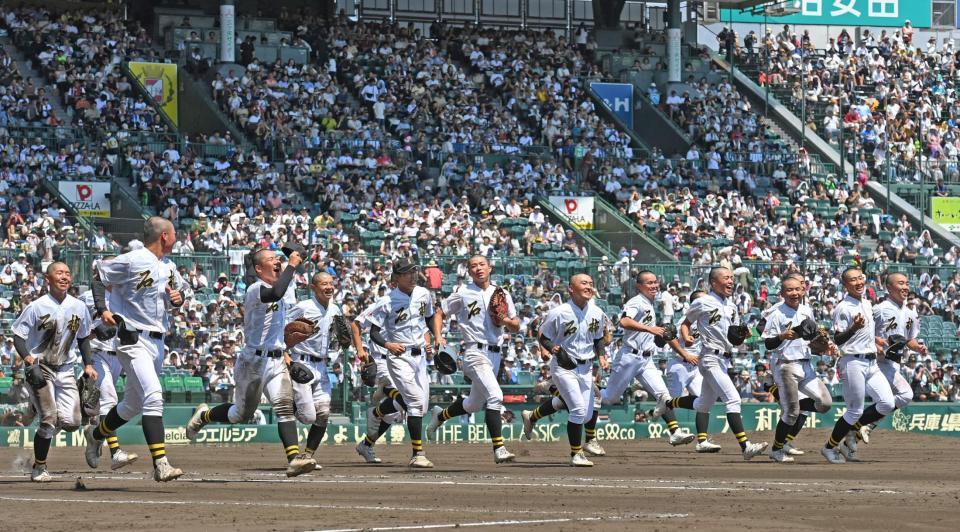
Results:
x,y
847,13
618,97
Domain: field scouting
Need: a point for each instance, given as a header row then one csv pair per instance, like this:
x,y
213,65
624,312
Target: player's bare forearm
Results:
x,y
437,327
357,340
685,332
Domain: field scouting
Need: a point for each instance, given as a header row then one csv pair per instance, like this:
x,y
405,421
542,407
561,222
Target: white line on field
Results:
x,y
635,517
622,484
270,505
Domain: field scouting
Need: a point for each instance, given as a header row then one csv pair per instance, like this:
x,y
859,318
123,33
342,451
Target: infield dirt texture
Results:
x,y
906,482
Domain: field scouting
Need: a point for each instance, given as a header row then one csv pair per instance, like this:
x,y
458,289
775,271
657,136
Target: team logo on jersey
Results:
x,y
569,328
474,309
74,323
695,335
273,307
715,316
423,308
594,325
890,325
145,280
647,318
909,325
170,282
402,315
44,323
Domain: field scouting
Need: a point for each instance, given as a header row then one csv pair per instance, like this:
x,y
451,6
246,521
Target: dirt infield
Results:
x,y
907,481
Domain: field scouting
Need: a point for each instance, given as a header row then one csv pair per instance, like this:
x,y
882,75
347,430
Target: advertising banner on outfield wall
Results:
x,y
160,82
88,198
618,97
845,13
946,212
941,419
577,209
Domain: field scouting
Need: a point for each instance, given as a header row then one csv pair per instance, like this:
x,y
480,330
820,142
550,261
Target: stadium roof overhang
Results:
x,y
754,6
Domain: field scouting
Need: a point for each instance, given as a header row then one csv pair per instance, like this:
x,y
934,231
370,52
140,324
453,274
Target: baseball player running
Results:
x,y
789,329
482,332
573,333
43,336
108,368
854,333
312,400
635,358
398,324
376,426
262,367
894,322
684,375
718,321
139,283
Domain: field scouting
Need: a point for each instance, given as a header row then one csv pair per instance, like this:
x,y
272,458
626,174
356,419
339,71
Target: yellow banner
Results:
x,y
946,212
160,82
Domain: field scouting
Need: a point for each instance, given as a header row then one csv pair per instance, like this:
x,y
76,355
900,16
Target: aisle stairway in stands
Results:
x,y
26,70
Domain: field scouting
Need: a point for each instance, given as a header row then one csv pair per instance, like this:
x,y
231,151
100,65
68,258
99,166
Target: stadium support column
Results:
x,y
674,33
228,34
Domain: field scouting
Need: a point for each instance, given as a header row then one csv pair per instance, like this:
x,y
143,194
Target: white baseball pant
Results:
x,y
312,399
409,374
628,367
716,385
860,377
576,389
798,380
485,392
58,403
108,372
682,375
261,375
141,363
902,392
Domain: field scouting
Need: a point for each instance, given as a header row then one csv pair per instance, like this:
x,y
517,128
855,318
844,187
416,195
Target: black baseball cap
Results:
x,y
404,266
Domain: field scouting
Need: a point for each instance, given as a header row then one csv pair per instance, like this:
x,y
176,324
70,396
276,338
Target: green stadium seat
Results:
x,y
5,384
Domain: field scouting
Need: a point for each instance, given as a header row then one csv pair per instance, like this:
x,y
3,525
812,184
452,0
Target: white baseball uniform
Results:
x,y
378,353
890,318
684,375
312,399
791,366
713,315
635,358
480,348
105,360
575,329
50,329
261,369
137,282
402,318
858,370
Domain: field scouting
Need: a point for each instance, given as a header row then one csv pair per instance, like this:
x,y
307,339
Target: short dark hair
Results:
x,y
843,276
641,273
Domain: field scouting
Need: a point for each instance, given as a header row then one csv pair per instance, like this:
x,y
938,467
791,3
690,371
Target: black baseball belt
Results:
x,y
720,352
276,353
152,334
863,356
485,347
311,358
637,352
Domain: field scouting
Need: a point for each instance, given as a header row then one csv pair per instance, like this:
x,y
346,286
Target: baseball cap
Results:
x,y
404,266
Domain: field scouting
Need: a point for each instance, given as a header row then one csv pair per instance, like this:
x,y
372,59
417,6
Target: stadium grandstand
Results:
x,y
552,137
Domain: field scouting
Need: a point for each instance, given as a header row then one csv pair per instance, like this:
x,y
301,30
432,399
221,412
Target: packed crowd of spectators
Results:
x,y
80,55
362,184
892,97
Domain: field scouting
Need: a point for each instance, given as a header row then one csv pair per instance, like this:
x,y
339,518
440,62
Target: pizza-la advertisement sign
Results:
x,y
88,198
577,209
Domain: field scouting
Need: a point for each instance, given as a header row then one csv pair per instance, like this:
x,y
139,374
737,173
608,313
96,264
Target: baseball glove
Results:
x,y
808,329
607,336
104,332
300,373
896,343
445,363
33,374
498,307
821,343
340,329
297,331
737,334
89,395
368,373
565,361
293,246
669,334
